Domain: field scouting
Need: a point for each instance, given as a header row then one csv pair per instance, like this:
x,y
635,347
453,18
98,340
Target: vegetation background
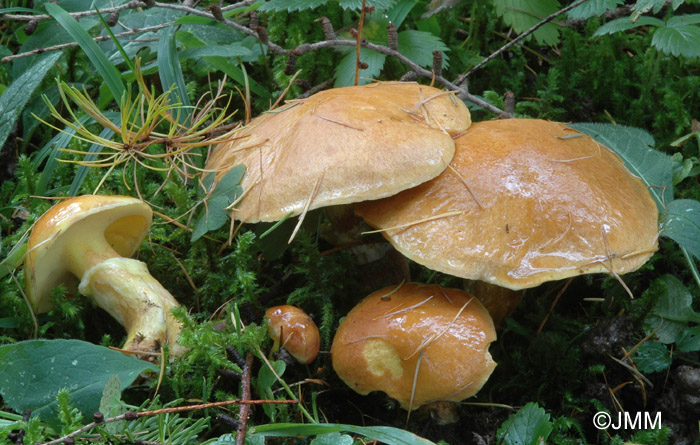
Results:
x,y
569,351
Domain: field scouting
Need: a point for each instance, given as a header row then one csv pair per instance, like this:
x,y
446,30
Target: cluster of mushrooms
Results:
x,y
506,204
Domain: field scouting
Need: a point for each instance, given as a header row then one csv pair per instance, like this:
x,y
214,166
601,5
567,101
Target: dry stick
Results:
x,y
133,415
244,411
359,41
505,47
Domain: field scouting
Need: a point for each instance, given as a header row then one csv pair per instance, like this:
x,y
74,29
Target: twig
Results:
x,y
244,411
133,415
97,39
505,47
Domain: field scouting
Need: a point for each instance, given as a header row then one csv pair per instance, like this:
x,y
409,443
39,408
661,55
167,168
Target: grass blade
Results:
x,y
16,96
104,67
170,72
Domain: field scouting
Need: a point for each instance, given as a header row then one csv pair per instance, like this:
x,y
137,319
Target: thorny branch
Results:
x,y
244,411
260,34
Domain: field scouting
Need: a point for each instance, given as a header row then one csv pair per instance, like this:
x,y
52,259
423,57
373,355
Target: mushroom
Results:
x,y
417,343
293,329
91,237
341,146
522,202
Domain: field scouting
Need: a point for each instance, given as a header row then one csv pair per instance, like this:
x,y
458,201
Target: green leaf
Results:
x,y
332,439
291,5
524,14
626,23
16,96
652,356
170,72
419,46
680,221
32,372
689,340
678,39
111,404
385,434
635,147
643,6
99,60
593,8
530,425
673,309
232,50
345,70
215,214
380,5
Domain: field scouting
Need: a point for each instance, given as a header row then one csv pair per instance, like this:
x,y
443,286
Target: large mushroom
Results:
x,y
417,343
523,201
341,146
91,237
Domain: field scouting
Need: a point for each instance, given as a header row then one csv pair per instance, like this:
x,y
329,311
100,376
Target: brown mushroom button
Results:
x,y
91,237
293,329
437,338
341,146
524,201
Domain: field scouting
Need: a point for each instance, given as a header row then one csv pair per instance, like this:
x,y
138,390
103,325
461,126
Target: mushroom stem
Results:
x,y
126,290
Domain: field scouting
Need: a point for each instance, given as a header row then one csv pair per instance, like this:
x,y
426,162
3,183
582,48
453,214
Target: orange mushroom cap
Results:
x,y
341,146
417,343
524,201
293,329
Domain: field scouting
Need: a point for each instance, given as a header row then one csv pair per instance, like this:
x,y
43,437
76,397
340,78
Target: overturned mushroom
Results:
x,y
523,201
417,343
293,329
341,146
91,237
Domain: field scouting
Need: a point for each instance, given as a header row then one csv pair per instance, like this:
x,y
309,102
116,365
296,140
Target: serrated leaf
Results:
x,y
291,5
110,403
419,46
215,213
530,425
18,93
32,372
593,8
524,14
99,60
680,221
673,309
345,70
677,40
385,434
635,147
643,6
626,23
652,356
357,4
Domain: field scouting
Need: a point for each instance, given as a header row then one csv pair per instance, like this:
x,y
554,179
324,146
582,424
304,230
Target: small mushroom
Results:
x,y
91,237
292,329
341,146
417,343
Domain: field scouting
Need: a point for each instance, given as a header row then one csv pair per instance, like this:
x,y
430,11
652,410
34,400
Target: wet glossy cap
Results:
x,y
340,146
122,221
292,328
437,337
529,201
